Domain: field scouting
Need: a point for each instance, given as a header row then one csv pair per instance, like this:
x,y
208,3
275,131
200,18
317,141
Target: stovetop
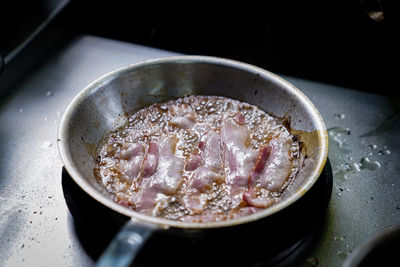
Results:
x,y
96,225
37,228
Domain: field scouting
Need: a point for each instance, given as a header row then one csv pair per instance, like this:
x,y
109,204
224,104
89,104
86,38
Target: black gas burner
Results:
x,y
96,225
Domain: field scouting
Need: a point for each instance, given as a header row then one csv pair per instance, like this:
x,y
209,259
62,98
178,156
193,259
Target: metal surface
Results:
x,y
101,107
126,244
381,250
36,227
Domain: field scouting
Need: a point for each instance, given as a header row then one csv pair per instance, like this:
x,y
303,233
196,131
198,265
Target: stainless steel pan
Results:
x,y
103,104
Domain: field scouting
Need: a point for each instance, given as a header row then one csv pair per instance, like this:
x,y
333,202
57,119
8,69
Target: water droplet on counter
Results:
x,y
384,152
338,130
354,167
339,116
49,93
347,168
312,261
338,238
342,254
337,133
21,110
373,146
368,164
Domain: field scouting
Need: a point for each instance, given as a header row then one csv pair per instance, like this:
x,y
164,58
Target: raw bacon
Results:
x,y
278,167
165,181
134,154
198,159
239,159
204,177
151,160
270,172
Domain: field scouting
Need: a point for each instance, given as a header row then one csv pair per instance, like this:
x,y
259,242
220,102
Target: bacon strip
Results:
x,y
165,181
181,122
134,154
253,199
193,162
270,172
206,175
208,159
168,177
239,159
279,164
151,160
263,156
246,171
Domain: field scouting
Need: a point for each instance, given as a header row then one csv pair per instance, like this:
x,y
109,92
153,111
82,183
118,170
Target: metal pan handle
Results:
x,y
126,244
2,64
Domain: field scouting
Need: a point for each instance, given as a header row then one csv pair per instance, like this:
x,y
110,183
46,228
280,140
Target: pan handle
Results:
x,y
126,244
2,64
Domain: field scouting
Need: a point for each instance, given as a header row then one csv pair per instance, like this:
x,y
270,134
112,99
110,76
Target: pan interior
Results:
x,y
102,106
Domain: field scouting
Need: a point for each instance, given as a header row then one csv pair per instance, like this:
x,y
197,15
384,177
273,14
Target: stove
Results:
x,y
96,225
38,228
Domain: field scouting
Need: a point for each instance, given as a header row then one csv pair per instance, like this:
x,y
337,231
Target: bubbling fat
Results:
x,y
199,159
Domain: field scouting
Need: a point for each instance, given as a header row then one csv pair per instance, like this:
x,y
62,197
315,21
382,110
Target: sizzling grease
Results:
x,y
199,158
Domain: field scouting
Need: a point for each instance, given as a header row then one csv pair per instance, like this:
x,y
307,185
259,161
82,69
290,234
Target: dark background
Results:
x,y
333,41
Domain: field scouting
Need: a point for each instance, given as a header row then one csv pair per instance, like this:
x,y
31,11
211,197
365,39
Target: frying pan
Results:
x,y
104,104
380,250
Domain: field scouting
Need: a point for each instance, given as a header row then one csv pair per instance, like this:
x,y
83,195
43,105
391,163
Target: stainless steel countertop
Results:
x,y
36,228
